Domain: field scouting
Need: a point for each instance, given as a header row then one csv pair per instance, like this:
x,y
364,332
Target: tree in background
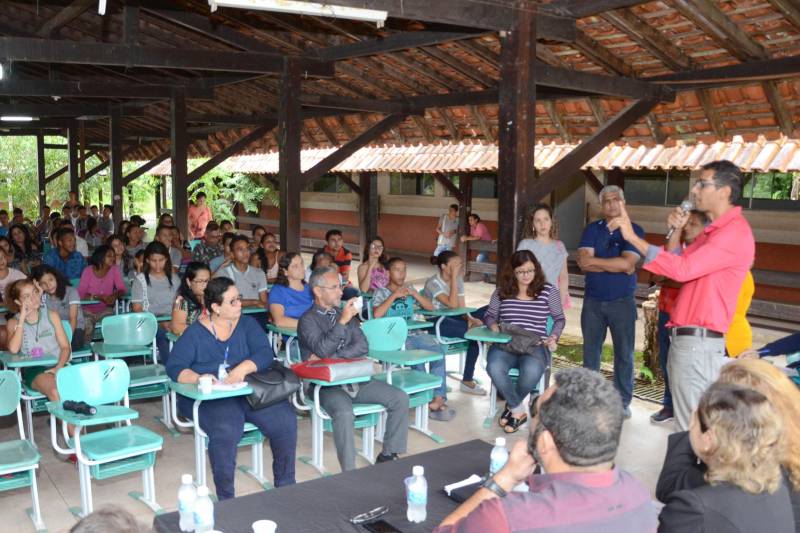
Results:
x,y
226,189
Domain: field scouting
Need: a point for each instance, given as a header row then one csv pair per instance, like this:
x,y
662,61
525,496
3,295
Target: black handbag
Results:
x,y
271,386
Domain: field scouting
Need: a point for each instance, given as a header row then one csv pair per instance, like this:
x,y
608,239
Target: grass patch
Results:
x,y
571,348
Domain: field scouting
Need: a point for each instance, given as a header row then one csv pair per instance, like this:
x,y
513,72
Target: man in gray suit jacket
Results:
x,y
327,330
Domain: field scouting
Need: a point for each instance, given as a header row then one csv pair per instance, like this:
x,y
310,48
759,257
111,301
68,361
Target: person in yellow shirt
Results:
x,y
740,336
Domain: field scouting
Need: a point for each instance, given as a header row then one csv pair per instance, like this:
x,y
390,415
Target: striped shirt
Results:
x,y
568,502
528,314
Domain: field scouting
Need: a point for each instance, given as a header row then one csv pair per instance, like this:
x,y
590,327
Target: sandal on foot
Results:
x,y
504,416
514,424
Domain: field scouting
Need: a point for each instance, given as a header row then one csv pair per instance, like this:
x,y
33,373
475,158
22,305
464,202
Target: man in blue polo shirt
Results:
x,y
63,256
609,262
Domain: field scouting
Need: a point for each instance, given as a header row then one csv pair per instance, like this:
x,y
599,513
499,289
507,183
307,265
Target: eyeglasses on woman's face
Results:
x,y
524,273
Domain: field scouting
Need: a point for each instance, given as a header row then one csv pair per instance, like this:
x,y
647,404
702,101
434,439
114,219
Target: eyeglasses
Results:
x,y
704,183
524,272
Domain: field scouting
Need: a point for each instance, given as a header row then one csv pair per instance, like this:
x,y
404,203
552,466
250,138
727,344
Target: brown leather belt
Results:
x,y
697,332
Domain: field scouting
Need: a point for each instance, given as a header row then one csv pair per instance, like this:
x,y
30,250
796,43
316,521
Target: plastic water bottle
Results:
x,y
203,511
187,495
417,495
499,456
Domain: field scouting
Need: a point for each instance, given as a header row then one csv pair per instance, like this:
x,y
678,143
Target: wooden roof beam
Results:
x,y
391,43
327,164
350,104
451,125
483,124
145,168
782,115
81,53
326,131
469,14
233,148
584,8
65,16
571,163
555,118
90,89
789,9
713,116
424,128
768,69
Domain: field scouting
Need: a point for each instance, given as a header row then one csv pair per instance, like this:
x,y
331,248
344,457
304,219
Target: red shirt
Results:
x,y
667,297
712,269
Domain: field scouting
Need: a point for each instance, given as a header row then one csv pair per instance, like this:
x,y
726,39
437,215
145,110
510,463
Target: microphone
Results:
x,y
686,206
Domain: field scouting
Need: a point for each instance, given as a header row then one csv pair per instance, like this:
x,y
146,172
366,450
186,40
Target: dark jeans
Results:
x,y
620,317
457,327
77,339
162,344
531,367
223,421
663,351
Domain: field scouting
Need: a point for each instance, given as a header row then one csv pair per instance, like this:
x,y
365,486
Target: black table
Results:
x,y
327,503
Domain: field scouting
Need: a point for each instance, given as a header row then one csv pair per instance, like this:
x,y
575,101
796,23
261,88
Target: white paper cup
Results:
x,y
204,384
358,303
264,526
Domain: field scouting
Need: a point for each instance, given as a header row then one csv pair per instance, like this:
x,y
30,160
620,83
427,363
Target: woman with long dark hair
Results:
x,y
523,299
291,296
26,253
62,298
267,257
122,258
102,281
372,273
189,305
154,290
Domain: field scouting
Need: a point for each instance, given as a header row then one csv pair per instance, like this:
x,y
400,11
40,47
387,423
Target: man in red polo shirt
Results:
x,y
712,270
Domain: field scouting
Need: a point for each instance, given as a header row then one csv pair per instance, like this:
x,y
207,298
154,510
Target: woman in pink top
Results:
x,y
102,281
478,232
199,216
371,272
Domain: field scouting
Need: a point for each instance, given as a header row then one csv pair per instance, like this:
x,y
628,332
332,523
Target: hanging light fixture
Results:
x,y
298,7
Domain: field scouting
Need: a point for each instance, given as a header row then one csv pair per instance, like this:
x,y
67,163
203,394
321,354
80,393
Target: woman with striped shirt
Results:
x,y
523,298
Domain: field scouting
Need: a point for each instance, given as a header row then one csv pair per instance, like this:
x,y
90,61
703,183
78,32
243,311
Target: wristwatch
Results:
x,y
491,484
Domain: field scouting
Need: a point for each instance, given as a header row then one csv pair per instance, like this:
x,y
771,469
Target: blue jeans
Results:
x,y
483,257
457,327
162,344
427,342
663,351
531,367
223,420
620,317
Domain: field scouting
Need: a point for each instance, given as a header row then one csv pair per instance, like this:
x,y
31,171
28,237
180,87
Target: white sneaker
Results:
x,y
475,389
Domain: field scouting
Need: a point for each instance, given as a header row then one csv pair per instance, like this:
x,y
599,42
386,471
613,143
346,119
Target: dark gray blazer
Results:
x,y
691,505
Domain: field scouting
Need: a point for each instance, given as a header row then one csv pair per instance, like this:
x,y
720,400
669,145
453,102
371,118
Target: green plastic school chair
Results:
x,y
107,453
387,340
19,459
134,335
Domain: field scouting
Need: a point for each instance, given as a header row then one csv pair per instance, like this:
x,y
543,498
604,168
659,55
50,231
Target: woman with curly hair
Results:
x,y
738,436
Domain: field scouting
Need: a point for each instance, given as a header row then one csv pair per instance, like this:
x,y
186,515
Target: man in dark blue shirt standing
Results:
x,y
609,263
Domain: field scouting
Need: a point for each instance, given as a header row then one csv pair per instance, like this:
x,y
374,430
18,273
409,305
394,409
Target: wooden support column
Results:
x,y
465,188
289,172
368,207
517,119
178,156
158,198
115,162
40,171
72,150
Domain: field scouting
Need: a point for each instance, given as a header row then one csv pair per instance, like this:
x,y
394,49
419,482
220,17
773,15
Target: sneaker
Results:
x,y
384,458
664,415
443,415
471,387
627,413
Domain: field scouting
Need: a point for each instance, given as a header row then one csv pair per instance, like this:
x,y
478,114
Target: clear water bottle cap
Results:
x,y
202,491
418,470
186,479
500,441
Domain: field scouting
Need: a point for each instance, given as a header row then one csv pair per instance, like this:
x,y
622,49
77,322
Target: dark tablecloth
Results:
x,y
326,504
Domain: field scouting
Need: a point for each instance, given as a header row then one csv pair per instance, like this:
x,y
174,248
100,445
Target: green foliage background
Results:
x,y
19,183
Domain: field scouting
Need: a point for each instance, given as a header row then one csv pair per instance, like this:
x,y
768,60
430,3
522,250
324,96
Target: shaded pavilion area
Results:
x,y
153,80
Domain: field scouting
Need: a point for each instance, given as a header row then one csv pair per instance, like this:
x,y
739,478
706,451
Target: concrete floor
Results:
x,y
641,451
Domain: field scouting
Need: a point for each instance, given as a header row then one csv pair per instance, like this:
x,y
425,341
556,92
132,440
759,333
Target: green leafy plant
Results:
x,y
646,374
224,190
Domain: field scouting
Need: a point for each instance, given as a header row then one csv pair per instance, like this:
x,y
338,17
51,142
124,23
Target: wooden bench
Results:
x,y
478,267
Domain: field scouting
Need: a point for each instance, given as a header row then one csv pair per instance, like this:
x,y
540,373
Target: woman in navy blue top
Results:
x,y
228,346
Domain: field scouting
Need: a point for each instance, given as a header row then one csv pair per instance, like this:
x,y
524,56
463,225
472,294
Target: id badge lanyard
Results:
x,y
222,371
